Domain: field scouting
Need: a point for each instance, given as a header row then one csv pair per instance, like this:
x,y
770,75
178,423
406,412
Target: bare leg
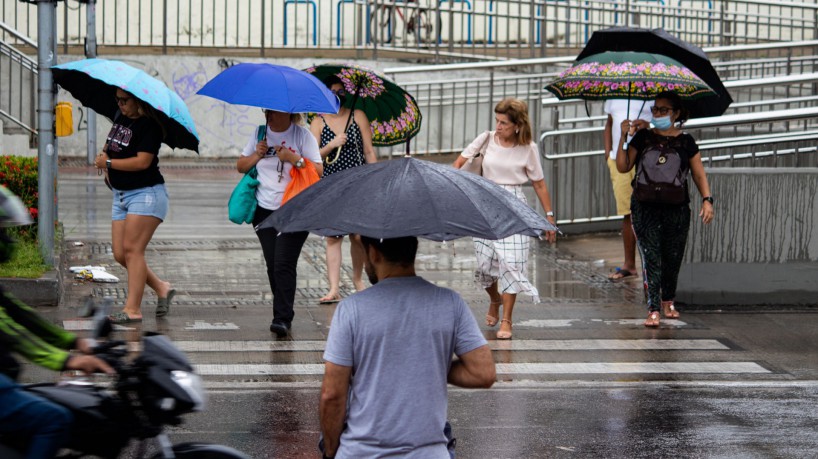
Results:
x,y
629,240
333,268
495,300
356,251
117,241
505,324
132,241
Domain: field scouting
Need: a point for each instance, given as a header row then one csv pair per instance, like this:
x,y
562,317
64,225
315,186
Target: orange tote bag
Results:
x,y
300,180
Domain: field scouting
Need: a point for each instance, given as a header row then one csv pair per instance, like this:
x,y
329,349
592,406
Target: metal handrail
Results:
x,y
699,123
11,30
752,103
393,71
749,141
16,121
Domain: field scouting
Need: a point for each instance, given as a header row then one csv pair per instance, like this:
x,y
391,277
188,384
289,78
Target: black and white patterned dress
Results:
x,y
352,153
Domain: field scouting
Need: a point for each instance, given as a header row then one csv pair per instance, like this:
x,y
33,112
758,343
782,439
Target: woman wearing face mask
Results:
x,y
660,205
355,143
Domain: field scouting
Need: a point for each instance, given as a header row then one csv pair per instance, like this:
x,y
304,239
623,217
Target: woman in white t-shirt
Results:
x,y
511,159
287,144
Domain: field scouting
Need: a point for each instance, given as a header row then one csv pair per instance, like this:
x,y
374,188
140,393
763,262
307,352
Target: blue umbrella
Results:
x,y
273,87
93,82
407,197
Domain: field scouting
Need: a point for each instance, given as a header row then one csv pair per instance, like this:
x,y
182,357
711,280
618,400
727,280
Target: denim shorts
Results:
x,y
150,201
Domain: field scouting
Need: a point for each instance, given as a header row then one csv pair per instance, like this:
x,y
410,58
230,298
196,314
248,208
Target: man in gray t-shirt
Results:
x,y
389,357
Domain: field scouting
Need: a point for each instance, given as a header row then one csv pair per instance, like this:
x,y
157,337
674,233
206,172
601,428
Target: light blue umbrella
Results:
x,y
272,87
93,82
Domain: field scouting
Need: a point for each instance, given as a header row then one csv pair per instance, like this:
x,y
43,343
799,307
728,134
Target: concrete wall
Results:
x,y
762,247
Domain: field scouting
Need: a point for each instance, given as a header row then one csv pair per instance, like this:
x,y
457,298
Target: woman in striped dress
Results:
x,y
355,143
511,159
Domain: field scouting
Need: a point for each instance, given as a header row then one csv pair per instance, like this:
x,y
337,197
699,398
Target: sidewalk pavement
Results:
x,y
218,269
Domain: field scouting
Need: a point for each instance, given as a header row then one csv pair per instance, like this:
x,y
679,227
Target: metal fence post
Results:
x,y
46,15
491,97
91,52
165,27
263,30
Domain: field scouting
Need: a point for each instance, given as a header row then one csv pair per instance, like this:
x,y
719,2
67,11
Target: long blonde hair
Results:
x,y
517,112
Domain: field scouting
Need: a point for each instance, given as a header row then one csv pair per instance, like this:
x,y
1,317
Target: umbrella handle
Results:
x,y
335,157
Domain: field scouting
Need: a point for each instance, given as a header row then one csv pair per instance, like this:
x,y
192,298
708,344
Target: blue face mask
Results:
x,y
662,123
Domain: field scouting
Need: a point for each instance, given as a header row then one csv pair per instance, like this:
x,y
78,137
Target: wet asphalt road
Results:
x,y
581,378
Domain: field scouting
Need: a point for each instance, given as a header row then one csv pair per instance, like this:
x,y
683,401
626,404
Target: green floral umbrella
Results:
x,y
392,112
627,75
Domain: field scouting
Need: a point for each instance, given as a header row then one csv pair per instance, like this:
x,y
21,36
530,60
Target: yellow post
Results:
x,y
64,119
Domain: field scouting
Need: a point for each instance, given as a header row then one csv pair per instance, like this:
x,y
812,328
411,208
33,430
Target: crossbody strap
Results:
x,y
484,147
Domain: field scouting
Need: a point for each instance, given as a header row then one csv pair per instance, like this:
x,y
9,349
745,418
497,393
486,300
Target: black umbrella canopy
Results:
x,y
407,197
659,41
93,82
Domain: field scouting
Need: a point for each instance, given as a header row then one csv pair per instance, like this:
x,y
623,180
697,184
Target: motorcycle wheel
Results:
x,y
204,451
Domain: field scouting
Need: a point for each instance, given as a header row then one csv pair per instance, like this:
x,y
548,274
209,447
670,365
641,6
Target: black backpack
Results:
x,y
661,175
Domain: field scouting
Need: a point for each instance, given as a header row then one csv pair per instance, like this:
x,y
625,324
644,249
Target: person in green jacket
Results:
x,y
22,331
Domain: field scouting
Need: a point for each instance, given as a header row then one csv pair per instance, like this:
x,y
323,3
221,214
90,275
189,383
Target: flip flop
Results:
x,y
122,317
163,304
330,301
621,274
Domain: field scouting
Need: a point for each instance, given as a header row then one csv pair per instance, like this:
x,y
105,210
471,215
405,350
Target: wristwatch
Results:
x,y
708,199
550,213
300,163
108,164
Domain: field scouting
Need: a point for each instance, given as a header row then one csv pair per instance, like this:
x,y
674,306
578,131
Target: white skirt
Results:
x,y
505,261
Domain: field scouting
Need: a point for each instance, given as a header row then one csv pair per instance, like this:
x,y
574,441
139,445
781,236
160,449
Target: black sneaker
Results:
x,y
279,328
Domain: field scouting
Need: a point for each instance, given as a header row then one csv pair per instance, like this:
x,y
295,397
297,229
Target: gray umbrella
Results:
x,y
407,197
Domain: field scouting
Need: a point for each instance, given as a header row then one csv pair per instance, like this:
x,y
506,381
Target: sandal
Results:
x,y
504,334
490,319
163,304
652,320
621,274
330,299
122,317
669,310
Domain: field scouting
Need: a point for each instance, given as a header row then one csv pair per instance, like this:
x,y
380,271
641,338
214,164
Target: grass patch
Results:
x,y
26,262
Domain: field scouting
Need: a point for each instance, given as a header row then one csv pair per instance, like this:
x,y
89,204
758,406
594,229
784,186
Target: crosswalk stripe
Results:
x,y
630,367
509,368
565,323
199,325
515,345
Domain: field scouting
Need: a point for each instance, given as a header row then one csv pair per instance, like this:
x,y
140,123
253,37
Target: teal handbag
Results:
x,y
241,208
242,204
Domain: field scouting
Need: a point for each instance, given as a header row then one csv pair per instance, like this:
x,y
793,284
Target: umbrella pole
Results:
x,y
346,126
625,145
408,149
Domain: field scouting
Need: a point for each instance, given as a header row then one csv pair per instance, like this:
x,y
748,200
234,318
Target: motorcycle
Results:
x,y
150,392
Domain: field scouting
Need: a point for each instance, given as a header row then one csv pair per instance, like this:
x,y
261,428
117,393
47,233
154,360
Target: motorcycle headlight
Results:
x,y
193,386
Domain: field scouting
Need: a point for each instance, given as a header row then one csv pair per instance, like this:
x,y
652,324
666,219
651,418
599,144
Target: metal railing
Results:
x,y
18,78
457,108
580,185
438,29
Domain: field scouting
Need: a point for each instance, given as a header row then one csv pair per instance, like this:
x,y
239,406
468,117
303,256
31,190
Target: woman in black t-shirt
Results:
x,y
140,202
660,205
